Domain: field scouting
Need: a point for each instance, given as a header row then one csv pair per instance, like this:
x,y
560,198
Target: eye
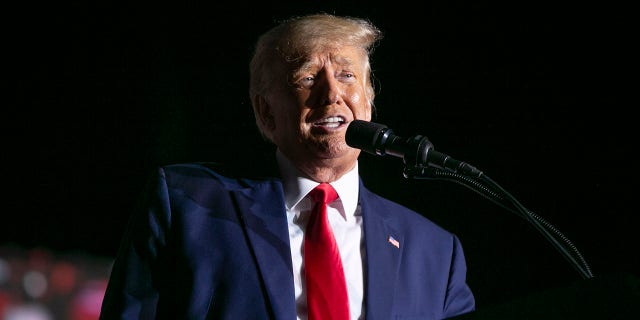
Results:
x,y
346,76
306,82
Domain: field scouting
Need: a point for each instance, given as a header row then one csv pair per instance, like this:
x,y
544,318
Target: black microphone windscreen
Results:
x,y
364,135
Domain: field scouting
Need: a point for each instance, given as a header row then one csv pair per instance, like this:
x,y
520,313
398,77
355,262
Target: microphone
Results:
x,y
416,151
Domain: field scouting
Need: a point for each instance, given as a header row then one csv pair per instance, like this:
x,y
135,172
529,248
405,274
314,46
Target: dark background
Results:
x,y
539,96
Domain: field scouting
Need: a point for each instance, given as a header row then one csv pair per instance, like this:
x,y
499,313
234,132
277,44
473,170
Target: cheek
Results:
x,y
361,107
287,107
290,124
367,113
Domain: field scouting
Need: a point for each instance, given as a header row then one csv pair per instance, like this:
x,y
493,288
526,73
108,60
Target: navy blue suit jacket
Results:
x,y
207,246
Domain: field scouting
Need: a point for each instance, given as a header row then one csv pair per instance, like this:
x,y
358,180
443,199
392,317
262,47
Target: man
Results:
x,y
211,246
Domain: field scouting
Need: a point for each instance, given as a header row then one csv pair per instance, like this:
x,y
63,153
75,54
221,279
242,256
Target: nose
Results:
x,y
330,90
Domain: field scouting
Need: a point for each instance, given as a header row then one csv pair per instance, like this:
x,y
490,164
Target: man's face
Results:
x,y
310,116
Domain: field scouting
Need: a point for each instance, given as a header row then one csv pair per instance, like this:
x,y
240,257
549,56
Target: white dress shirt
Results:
x,y
346,221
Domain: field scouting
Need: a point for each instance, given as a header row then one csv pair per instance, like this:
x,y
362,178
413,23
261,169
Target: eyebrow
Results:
x,y
310,64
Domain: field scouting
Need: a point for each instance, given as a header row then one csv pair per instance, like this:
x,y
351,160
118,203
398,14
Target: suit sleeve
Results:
x,y
132,292
459,298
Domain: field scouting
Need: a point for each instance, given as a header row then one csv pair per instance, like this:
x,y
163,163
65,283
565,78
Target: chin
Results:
x,y
342,152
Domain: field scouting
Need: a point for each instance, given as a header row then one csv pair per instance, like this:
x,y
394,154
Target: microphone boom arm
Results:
x,y
423,162
504,199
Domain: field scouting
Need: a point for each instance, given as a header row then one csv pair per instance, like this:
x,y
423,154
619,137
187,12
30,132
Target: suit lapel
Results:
x,y
264,218
384,249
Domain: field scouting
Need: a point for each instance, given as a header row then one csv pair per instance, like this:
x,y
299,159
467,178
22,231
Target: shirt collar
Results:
x,y
296,187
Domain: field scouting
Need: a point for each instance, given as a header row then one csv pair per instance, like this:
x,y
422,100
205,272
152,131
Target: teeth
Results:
x,y
333,119
331,122
328,120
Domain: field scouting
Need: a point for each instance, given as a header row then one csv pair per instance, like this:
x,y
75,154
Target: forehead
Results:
x,y
345,56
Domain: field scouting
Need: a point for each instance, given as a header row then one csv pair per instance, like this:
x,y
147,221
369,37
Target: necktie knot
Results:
x,y
323,193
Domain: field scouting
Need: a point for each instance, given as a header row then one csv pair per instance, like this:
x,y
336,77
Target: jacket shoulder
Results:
x,y
208,172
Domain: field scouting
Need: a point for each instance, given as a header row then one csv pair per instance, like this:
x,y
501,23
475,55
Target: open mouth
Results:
x,y
330,122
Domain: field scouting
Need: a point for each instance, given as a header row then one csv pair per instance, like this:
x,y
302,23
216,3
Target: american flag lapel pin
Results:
x,y
394,242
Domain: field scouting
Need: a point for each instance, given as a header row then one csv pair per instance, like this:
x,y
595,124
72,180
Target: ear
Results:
x,y
264,116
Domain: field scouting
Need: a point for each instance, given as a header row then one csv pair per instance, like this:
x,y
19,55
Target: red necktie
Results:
x,y
327,297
